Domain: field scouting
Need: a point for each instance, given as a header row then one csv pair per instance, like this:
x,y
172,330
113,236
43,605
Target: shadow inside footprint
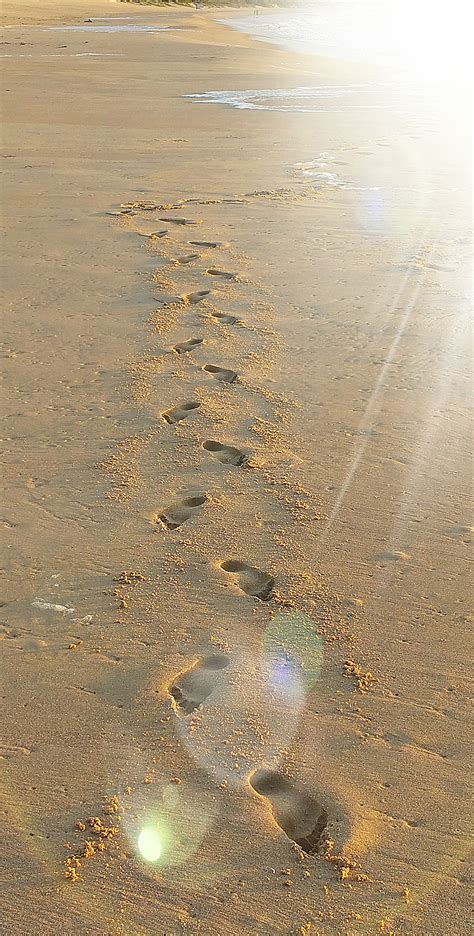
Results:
x,y
222,273
184,346
209,244
298,814
224,318
221,373
177,413
191,688
181,221
250,580
181,510
226,454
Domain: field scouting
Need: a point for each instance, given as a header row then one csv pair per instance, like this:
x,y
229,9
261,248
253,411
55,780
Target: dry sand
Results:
x,y
235,547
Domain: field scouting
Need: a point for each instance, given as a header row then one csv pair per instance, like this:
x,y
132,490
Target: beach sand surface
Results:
x,y
234,617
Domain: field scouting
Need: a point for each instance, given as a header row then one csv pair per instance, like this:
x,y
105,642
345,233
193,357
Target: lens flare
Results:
x,y
165,822
150,844
294,650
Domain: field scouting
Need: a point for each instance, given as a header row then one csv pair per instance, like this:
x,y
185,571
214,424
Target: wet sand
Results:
x,y
236,542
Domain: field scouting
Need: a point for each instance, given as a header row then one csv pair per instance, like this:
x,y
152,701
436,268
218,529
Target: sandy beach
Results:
x,y
236,372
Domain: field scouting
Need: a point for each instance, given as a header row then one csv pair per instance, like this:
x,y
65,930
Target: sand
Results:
x,y
235,611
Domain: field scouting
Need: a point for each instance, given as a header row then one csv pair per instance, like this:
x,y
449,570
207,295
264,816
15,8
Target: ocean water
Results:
x,y
423,40
313,99
419,50
419,55
330,29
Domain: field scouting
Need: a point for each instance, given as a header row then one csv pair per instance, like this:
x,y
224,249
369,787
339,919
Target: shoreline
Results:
x,y
169,470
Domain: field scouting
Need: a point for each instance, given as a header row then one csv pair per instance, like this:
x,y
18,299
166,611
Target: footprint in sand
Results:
x,y
194,297
209,244
153,234
222,273
224,318
188,258
191,688
297,813
120,211
177,413
181,221
250,580
226,454
184,346
181,510
397,555
221,373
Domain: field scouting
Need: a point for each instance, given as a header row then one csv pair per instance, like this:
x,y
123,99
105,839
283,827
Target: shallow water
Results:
x,y
312,100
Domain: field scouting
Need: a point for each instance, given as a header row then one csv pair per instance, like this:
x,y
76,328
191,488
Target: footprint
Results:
x,y
209,244
397,555
224,318
153,234
140,206
195,296
120,212
11,750
226,454
297,813
184,346
249,580
222,273
192,687
221,373
188,258
177,513
179,221
177,413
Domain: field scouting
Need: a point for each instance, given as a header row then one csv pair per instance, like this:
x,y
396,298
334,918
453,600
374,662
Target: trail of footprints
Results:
x,y
298,814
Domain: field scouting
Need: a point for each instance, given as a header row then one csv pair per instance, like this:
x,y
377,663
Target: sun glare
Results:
x,y
431,38
426,40
150,844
